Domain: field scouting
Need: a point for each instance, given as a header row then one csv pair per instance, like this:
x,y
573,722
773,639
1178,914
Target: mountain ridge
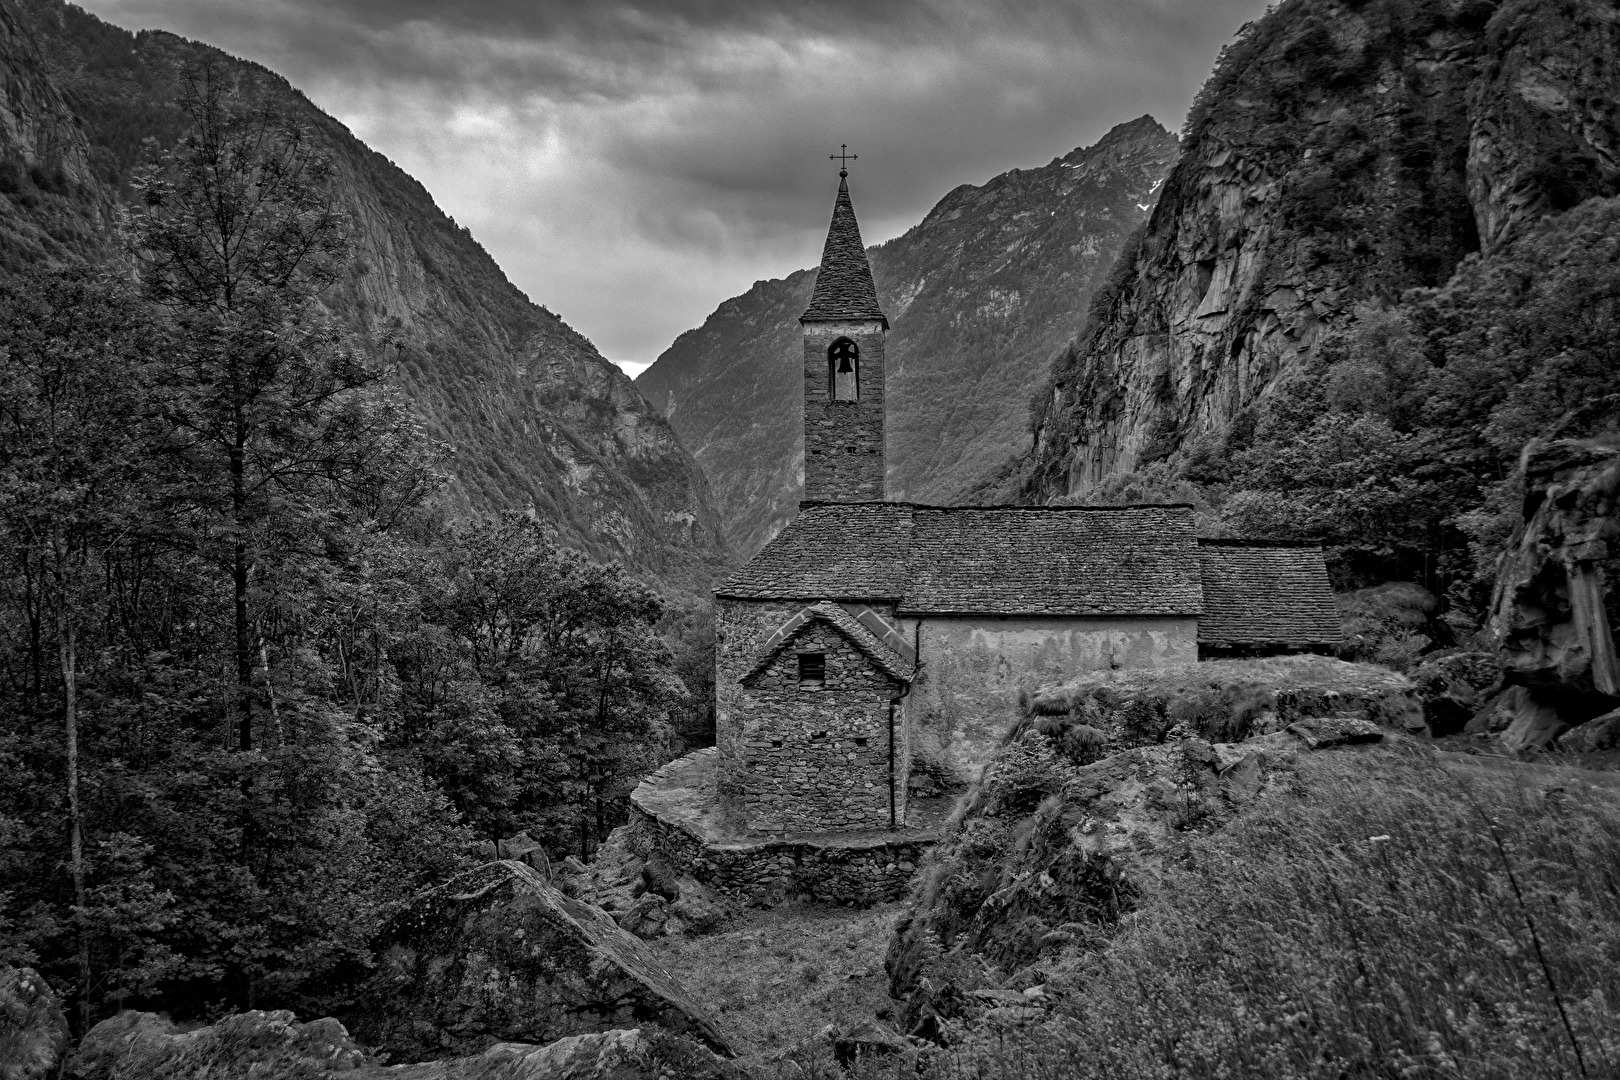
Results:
x,y
1339,155
538,418
1019,253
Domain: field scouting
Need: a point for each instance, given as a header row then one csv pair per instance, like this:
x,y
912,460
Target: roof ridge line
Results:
x,y
1259,542
1039,507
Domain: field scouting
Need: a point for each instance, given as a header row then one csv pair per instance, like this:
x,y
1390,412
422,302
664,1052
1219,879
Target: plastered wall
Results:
x,y
973,669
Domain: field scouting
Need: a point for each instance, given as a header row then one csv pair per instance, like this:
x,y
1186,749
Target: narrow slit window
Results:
x,y
812,670
844,371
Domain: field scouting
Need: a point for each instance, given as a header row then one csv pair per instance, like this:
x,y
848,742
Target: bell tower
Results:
x,y
843,331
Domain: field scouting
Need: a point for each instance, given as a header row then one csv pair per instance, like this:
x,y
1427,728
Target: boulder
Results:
x,y
273,1046
1548,616
1320,732
33,1031
498,955
1454,687
699,908
1526,719
1601,733
246,1046
661,876
869,1039
646,917
522,848
637,1054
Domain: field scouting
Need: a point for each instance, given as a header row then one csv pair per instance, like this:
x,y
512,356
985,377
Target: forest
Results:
x,y
261,686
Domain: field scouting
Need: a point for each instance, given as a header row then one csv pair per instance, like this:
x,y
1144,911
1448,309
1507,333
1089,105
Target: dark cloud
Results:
x,y
632,164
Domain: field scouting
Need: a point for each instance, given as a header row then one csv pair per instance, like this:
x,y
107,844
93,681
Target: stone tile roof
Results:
x,y
886,658
1136,560
1139,560
1257,593
832,551
844,288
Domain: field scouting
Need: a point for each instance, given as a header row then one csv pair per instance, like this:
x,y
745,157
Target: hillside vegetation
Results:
x,y
979,296
534,415
1384,263
1264,909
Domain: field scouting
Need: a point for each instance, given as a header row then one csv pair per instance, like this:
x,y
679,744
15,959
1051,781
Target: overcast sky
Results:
x,y
632,163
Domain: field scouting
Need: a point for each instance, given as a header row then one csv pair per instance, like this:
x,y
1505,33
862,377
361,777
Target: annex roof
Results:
x,y
1258,593
886,658
1135,560
844,288
1014,560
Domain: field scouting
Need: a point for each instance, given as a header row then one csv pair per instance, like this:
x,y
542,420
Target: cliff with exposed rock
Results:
x,y
980,295
1342,153
535,415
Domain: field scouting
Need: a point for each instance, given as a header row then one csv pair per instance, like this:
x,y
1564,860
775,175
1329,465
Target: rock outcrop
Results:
x,y
535,415
1049,856
275,1046
33,1031
1553,612
980,295
1340,154
144,1046
498,955
636,1054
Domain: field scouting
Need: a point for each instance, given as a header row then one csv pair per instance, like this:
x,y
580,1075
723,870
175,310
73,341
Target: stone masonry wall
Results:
x,y
767,871
816,760
740,628
844,457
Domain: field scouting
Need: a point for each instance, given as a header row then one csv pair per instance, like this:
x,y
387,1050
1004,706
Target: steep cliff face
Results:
x,y
53,209
537,417
980,295
1342,152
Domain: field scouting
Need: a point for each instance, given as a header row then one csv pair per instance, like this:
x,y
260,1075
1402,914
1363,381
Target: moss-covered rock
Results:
x,y
33,1031
498,955
144,1046
610,1055
274,1046
1217,700
1047,856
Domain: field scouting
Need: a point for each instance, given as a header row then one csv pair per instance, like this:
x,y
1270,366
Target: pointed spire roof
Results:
x,y
844,288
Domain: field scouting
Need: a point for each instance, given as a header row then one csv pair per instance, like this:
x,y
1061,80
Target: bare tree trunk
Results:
x,y
239,588
67,647
270,694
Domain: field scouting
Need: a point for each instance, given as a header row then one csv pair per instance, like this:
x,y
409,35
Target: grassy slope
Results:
x,y
774,978
1373,910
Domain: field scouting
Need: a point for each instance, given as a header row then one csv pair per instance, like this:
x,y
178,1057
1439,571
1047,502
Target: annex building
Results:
x,y
874,642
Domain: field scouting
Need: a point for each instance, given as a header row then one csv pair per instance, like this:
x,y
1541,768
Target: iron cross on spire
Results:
x,y
843,157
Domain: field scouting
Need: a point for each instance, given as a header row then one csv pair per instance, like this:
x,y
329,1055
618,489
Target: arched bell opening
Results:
x,y
843,371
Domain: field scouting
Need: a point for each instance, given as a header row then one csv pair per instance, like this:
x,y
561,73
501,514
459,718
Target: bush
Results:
x,y
1410,919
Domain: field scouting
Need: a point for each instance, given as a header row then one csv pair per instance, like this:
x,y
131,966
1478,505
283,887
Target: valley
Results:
x,y
1225,684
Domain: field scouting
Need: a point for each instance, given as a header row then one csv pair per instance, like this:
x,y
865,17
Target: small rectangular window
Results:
x,y
812,670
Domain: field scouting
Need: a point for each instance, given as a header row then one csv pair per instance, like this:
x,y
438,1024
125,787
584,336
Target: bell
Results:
x,y
843,365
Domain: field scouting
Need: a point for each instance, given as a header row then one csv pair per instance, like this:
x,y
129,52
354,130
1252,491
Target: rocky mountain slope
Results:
x,y
979,294
1341,154
537,416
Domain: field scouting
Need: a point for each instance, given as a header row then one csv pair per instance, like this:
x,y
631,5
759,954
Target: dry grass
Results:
x,y
1396,915
774,978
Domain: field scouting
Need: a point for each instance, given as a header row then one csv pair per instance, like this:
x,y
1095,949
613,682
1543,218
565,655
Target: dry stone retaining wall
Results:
x,y
848,870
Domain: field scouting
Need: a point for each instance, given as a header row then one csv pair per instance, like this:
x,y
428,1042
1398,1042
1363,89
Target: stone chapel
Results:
x,y
873,639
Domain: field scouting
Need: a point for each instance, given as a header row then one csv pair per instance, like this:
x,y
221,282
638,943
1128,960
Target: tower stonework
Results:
x,y
843,331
